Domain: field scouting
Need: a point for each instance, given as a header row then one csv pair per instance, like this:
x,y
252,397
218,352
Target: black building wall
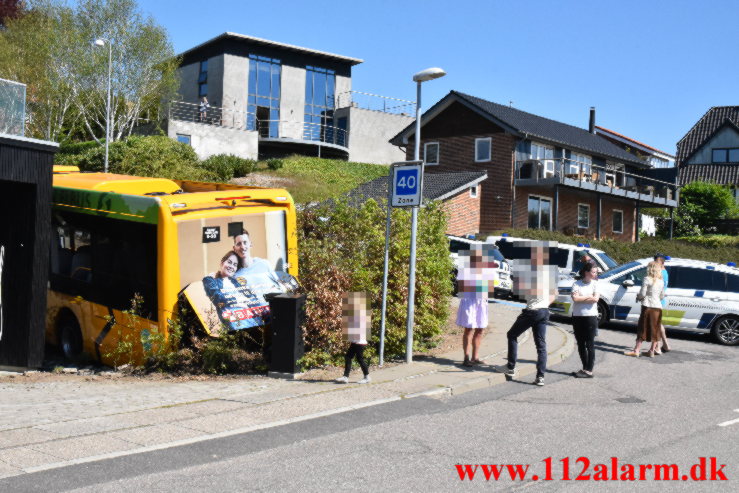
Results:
x,y
25,222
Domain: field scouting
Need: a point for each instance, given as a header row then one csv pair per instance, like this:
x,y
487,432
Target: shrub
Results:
x,y
702,204
228,166
341,248
275,164
157,156
79,147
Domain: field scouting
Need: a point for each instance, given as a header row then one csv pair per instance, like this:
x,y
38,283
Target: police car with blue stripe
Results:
x,y
701,296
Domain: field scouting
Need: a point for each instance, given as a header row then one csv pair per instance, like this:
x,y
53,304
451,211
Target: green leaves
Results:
x,y
341,249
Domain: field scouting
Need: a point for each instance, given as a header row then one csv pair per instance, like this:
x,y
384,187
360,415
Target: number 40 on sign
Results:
x,y
406,184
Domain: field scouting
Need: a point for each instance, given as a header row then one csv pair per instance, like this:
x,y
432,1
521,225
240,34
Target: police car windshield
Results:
x,y
610,263
618,270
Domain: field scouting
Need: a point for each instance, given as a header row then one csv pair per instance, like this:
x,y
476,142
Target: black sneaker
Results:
x,y
539,381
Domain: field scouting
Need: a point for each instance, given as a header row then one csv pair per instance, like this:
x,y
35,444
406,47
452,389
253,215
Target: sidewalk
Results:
x,y
53,424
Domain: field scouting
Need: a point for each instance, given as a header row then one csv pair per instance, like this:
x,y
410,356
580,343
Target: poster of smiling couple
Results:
x,y
228,266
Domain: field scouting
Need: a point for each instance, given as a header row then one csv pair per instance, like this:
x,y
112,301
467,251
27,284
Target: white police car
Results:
x,y
567,257
701,296
503,283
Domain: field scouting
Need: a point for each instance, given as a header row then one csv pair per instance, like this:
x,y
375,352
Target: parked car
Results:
x,y
568,256
701,296
503,283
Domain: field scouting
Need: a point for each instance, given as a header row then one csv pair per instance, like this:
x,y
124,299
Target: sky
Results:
x,y
651,68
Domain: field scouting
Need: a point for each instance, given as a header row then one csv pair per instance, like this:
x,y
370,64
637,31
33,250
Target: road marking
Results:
x,y
732,422
211,436
509,303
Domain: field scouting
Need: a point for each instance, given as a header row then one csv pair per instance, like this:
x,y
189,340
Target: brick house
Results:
x,y
459,193
541,173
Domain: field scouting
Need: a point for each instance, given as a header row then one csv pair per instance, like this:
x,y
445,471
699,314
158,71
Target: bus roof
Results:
x,y
179,196
108,182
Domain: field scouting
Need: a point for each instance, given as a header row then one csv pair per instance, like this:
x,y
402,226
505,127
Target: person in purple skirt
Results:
x,y
475,283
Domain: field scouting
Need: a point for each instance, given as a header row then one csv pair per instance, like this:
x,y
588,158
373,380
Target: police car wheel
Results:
x,y
602,314
726,330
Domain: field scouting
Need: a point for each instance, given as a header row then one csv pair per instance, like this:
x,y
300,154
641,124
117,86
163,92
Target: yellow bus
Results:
x,y
117,238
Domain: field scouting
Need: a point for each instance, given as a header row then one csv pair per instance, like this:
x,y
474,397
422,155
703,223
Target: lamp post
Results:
x,y
103,42
422,76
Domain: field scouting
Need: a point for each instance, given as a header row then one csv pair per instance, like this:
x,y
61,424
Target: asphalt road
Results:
x,y
665,410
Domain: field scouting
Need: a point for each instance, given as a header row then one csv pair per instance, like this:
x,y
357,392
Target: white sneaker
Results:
x,y
342,380
366,379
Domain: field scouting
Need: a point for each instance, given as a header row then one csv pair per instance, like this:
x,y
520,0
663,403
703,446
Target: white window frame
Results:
x,y
578,216
580,162
541,198
425,152
489,140
473,191
548,163
620,211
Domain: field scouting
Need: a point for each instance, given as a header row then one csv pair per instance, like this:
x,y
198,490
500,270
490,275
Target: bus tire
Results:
x,y
726,330
70,338
603,315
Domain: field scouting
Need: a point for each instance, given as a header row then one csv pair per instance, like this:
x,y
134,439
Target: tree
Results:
x,y
10,9
50,49
702,205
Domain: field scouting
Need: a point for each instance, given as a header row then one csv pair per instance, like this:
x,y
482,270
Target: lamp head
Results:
x,y
99,42
429,74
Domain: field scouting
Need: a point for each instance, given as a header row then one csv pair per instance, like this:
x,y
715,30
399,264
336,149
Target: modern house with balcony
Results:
x,y
541,173
269,99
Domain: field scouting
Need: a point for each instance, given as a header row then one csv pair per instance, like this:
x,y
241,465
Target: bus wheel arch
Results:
x,y
69,334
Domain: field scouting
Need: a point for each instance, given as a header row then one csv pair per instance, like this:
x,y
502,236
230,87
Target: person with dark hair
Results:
x,y
226,291
536,281
585,317
355,324
476,283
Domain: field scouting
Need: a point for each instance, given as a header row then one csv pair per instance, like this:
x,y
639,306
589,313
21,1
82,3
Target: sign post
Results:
x,y
405,185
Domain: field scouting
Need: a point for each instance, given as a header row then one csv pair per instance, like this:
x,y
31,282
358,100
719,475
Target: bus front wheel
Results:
x,y
70,338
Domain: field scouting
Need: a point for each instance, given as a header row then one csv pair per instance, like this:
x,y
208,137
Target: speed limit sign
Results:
x,y
407,184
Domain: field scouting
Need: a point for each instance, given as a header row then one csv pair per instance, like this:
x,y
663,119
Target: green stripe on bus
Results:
x,y
108,204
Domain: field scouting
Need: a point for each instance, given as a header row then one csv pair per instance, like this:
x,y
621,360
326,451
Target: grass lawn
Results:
x,y
310,179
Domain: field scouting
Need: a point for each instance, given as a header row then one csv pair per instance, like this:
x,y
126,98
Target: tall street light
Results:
x,y
103,42
422,76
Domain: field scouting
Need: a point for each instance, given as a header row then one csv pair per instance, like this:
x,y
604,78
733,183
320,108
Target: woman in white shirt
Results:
x,y
585,317
650,321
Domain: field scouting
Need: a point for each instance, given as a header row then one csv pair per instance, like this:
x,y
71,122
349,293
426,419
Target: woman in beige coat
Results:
x,y
650,321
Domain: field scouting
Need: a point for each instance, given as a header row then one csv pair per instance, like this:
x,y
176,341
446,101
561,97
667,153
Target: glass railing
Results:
x,y
12,107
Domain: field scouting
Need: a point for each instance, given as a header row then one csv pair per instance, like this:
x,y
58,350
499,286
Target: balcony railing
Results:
x,y
374,102
312,132
593,177
213,115
267,129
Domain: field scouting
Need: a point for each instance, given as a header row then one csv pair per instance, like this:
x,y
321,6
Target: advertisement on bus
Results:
x,y
228,265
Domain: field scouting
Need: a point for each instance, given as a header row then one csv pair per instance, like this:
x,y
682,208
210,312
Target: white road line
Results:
x,y
211,436
732,422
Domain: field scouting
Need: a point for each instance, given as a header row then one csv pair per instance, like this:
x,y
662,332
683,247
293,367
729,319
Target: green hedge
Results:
x,y
341,249
227,166
719,249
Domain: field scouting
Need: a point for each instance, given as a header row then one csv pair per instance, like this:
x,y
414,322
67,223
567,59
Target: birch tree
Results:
x,y
51,50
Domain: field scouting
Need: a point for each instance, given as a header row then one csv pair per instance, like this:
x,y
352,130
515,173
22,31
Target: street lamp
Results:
x,y
422,76
103,42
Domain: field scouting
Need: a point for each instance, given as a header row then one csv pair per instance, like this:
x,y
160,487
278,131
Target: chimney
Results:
x,y
591,127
